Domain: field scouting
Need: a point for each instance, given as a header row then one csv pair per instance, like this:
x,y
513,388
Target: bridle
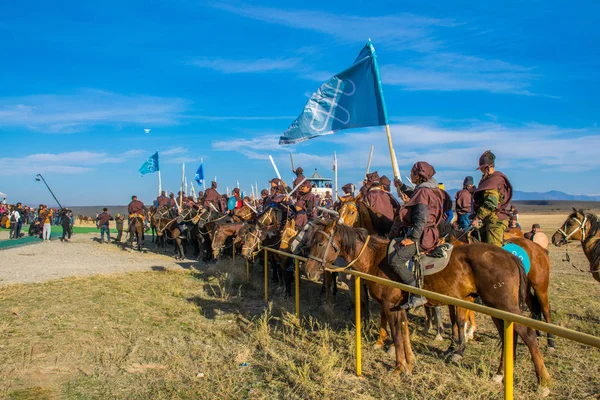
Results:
x,y
351,204
330,244
287,241
256,234
582,224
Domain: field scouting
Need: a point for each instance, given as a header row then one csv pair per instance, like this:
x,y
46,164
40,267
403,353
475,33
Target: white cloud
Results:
x,y
74,162
78,111
173,151
246,66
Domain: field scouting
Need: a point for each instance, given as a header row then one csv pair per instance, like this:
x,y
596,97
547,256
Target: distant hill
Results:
x,y
551,195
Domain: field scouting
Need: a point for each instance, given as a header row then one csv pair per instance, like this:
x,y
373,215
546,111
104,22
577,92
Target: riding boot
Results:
x,y
397,261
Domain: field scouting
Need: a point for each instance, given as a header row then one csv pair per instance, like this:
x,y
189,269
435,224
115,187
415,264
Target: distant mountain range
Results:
x,y
551,195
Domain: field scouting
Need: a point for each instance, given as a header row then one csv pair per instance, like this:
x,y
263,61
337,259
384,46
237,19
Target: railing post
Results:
x,y
358,327
508,360
297,284
266,275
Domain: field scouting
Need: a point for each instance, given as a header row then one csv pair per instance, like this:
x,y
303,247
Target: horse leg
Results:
x,y
427,323
459,316
382,332
364,304
439,323
334,278
288,277
408,353
396,330
472,325
454,325
528,336
543,299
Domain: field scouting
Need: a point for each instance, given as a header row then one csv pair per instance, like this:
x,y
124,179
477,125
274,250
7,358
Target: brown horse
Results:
x,y
586,229
136,229
244,214
474,269
221,233
538,277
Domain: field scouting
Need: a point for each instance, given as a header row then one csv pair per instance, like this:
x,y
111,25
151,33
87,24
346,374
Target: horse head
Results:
x,y
348,211
252,240
574,228
324,249
289,232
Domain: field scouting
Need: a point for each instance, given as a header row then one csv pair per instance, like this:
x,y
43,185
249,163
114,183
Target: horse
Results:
x,y
221,233
586,229
244,214
538,277
473,270
136,229
355,212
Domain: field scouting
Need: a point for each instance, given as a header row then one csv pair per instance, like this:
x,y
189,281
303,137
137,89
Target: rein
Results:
x,y
362,250
566,238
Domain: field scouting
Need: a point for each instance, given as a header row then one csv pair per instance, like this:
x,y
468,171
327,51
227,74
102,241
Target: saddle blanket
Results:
x,y
520,253
429,265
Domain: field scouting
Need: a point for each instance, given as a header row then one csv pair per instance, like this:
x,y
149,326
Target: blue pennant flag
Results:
x,y
150,165
200,175
351,99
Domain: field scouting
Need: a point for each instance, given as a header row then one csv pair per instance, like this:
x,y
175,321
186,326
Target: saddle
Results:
x,y
426,264
132,216
520,253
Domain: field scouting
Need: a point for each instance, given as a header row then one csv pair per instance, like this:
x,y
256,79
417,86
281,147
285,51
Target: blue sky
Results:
x,y
79,82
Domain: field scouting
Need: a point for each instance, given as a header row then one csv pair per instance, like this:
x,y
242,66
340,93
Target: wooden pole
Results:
x,y
335,175
369,161
358,327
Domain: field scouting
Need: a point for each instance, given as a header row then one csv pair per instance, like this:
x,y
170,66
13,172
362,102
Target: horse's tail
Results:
x,y
523,283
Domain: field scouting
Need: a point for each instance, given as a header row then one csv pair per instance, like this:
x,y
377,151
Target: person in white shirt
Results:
x,y
15,217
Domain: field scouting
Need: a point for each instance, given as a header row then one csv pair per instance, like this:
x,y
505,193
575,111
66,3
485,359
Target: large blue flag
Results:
x,y
200,174
351,99
150,165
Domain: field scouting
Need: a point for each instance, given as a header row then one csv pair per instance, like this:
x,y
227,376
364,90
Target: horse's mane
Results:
x,y
448,230
348,236
594,231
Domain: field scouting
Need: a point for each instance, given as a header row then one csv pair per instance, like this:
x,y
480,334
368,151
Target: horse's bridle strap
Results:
x,y
360,253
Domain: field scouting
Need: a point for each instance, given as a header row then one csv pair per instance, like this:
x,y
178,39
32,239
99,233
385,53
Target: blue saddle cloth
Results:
x,y
520,253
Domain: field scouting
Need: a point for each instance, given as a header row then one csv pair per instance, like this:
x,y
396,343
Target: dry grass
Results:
x,y
208,334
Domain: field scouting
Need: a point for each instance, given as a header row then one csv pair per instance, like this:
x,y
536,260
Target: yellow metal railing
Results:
x,y
509,318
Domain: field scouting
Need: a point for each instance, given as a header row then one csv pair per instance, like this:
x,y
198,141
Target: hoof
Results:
x,y
543,391
456,358
551,349
438,338
402,371
378,345
470,333
498,378
391,350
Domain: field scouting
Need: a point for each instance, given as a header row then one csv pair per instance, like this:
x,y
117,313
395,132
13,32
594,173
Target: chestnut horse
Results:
x,y
538,277
136,229
474,270
585,228
221,233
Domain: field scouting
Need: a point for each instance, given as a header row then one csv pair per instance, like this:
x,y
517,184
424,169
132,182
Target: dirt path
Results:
x,y
82,256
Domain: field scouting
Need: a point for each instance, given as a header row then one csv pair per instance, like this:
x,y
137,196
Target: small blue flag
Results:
x,y
200,175
351,99
150,165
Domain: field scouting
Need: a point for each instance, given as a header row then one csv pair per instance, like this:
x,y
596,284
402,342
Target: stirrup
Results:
x,y
413,302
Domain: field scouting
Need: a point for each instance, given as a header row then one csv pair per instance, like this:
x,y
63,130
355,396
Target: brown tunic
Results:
x,y
381,202
434,200
211,196
464,200
104,218
297,180
496,181
136,207
307,203
162,201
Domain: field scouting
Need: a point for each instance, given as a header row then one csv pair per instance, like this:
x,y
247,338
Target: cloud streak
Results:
x,y
73,162
228,66
77,112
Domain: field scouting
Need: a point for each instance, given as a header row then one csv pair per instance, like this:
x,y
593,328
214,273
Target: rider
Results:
x,y
299,176
491,197
380,200
464,203
162,200
239,203
136,207
368,182
304,205
264,194
419,217
211,196
348,190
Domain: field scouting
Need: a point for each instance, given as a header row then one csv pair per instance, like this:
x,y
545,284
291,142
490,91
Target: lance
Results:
x,y
252,208
182,183
369,161
292,160
238,183
297,186
327,210
410,182
335,175
275,167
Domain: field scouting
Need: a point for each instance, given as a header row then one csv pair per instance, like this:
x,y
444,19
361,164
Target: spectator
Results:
x,y
119,221
66,225
14,222
102,222
534,229
20,220
46,216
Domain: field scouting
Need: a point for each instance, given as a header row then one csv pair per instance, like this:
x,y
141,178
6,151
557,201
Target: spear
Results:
x,y
369,162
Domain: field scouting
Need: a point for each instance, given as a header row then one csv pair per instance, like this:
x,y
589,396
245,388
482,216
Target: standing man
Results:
x,y
20,220
119,222
103,221
66,225
464,203
490,199
14,217
46,217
